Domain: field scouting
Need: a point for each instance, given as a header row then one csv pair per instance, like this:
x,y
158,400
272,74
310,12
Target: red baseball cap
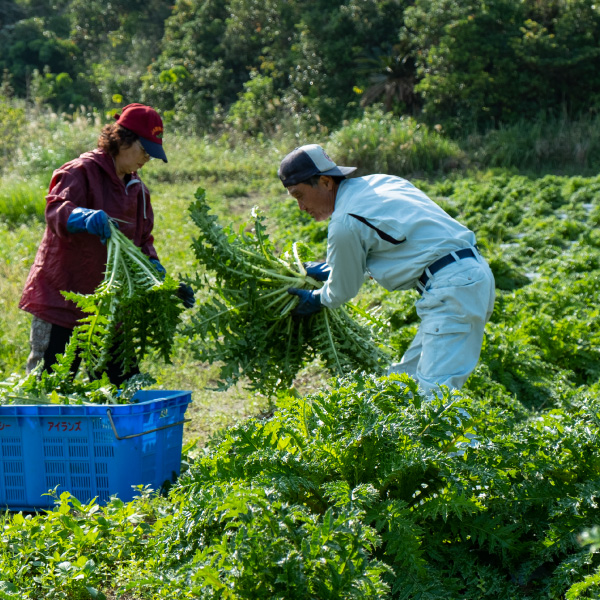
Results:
x,y
144,121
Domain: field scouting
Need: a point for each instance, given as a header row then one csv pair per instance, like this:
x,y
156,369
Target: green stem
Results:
x,y
148,270
272,274
288,307
133,253
276,262
128,279
363,313
282,296
280,292
330,339
112,264
297,258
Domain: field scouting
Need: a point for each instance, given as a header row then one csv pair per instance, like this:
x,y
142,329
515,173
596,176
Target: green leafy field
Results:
x,y
354,487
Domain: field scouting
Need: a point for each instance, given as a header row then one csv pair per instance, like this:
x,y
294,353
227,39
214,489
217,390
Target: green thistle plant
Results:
x,y
131,313
247,323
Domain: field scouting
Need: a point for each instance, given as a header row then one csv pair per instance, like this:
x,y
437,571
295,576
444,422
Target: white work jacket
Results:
x,y
384,227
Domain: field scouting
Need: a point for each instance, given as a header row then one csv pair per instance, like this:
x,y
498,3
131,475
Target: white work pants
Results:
x,y
454,308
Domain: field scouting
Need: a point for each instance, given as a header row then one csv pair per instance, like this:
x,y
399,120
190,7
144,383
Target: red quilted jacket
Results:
x,y
76,261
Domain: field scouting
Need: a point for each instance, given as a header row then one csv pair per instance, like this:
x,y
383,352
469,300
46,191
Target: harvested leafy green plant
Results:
x,y
247,322
132,312
59,386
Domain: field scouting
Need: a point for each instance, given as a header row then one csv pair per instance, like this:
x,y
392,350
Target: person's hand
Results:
x,y
309,302
90,221
186,294
317,270
162,272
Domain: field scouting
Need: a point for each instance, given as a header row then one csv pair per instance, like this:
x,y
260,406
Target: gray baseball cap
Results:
x,y
306,161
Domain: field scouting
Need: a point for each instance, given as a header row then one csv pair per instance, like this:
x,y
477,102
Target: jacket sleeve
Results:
x,y
147,240
346,257
68,190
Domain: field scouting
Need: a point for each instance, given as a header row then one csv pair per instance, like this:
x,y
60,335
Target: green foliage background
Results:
x,y
468,66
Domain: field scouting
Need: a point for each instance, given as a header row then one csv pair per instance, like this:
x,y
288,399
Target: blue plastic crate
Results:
x,y
90,451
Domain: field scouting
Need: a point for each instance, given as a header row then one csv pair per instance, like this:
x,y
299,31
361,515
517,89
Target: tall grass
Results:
x,y
21,201
557,145
380,143
45,141
18,245
48,140
240,162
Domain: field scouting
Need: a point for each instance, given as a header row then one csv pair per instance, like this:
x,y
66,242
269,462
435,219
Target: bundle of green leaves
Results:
x,y
247,323
132,312
60,386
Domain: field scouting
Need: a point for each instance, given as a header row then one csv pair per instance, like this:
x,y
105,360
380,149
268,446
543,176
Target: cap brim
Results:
x,y
153,149
339,171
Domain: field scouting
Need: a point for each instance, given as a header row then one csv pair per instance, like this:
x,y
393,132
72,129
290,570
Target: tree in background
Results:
x,y
189,78
482,64
68,53
559,47
319,68
308,65
392,80
307,49
34,38
117,45
10,12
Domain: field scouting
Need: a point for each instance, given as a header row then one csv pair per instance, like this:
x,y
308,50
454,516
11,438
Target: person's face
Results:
x,y
318,201
131,158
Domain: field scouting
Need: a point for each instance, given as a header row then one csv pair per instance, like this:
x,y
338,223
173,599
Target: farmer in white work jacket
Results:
x,y
384,227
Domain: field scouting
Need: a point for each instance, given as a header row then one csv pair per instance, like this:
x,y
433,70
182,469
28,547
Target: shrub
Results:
x,y
381,143
343,492
255,112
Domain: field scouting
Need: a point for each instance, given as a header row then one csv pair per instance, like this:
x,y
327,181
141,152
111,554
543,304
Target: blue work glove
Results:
x,y
162,272
309,302
186,294
317,270
91,221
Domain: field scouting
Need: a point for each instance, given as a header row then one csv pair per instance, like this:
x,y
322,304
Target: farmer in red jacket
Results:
x,y
84,193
